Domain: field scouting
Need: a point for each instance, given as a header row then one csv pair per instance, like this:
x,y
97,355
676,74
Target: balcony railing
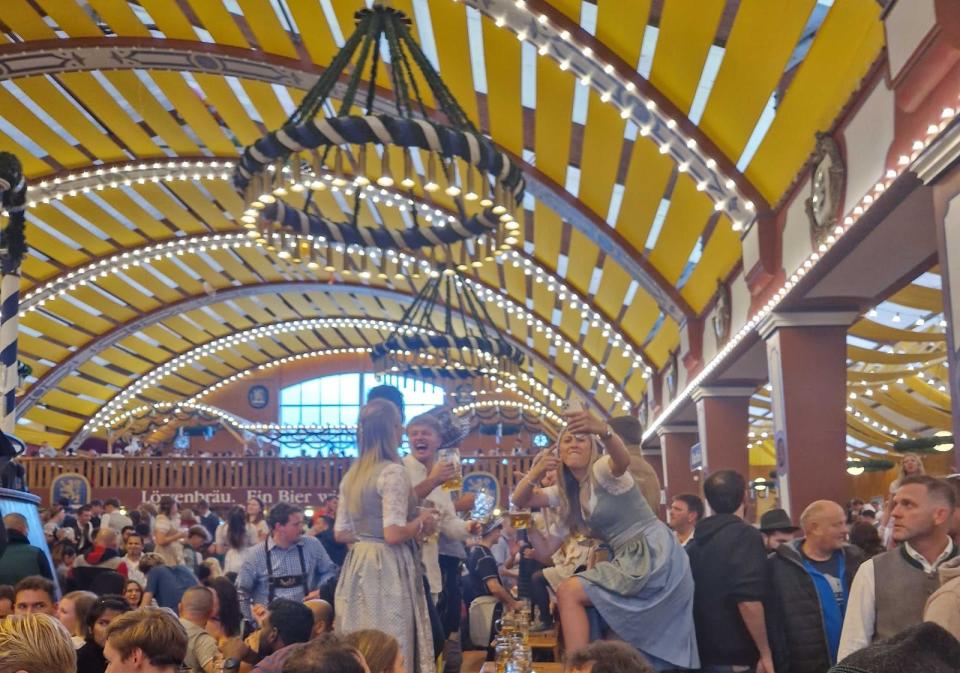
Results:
x,y
137,479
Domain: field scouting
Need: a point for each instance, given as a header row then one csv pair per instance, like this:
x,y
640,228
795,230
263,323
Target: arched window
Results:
x,y
335,400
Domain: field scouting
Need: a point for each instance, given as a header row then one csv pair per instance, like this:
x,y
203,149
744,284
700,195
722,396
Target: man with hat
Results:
x,y
630,432
777,528
482,567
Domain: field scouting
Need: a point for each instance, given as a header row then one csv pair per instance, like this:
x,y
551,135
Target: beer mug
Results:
x,y
519,518
455,483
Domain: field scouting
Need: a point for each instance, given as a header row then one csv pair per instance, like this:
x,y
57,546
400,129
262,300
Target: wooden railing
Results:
x,y
120,475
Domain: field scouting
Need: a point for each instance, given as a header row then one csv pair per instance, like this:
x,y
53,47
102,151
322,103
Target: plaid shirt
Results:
x,y
252,582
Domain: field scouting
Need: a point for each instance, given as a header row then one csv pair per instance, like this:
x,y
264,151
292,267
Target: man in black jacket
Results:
x,y
728,562
809,584
21,559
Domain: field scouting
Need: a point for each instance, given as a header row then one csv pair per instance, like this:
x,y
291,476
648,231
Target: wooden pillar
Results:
x,y
807,362
947,213
723,421
675,444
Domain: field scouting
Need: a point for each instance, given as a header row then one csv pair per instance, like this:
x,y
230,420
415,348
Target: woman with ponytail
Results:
x,y
380,584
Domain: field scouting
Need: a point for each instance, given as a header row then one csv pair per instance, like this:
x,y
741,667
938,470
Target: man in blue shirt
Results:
x,y
166,584
810,583
288,564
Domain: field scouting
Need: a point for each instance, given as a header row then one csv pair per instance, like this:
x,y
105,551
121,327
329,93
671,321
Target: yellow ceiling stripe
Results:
x,y
719,256
67,227
925,390
93,213
32,166
639,317
311,22
219,22
917,296
266,27
907,405
665,340
264,99
688,214
194,112
845,46
128,294
85,88
167,338
582,260
547,234
56,331
137,345
613,288
502,55
141,100
55,249
552,120
869,413
38,131
453,52
74,315
144,221
25,22
54,419
867,329
602,143
620,27
120,18
264,264
687,29
44,94
646,181
880,357
163,200
110,308
170,19
761,41
212,215
71,18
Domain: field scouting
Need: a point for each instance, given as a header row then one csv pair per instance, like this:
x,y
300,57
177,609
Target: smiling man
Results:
x,y
890,590
809,583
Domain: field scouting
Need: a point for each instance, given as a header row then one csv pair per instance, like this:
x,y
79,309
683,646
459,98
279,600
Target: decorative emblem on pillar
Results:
x,y
827,183
643,412
672,375
722,314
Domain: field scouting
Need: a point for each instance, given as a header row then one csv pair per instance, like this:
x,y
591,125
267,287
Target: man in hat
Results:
x,y
631,433
777,528
483,570
809,584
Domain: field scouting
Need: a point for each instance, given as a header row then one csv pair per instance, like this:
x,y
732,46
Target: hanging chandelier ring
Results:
x,y
252,175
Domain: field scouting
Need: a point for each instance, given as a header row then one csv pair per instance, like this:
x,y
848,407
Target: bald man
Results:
x,y
322,616
810,583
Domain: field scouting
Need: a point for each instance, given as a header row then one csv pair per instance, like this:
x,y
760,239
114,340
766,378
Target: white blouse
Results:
x,y
393,486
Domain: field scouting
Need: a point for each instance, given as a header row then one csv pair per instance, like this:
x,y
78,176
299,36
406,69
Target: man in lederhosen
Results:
x,y
288,564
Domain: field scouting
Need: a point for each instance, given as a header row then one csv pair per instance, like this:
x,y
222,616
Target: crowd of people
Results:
x,y
399,574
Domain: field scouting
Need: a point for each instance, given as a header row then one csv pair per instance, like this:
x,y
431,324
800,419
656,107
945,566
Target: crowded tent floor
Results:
x,y
479,336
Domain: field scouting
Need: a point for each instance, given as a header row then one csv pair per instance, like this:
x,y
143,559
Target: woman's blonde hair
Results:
x,y
570,509
82,602
377,437
379,649
901,474
35,643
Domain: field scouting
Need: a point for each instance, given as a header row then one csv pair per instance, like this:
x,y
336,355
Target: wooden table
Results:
x,y
538,667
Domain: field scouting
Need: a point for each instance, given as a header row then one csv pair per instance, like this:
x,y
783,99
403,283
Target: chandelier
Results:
x,y
464,345
447,182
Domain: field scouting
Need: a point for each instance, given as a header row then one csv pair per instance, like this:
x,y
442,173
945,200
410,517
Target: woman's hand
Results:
x,y
545,461
474,527
429,520
584,423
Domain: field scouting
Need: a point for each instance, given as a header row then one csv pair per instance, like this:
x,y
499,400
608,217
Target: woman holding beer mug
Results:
x,y
432,477
644,590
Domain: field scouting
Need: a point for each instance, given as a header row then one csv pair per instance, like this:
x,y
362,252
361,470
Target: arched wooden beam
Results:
x,y
51,57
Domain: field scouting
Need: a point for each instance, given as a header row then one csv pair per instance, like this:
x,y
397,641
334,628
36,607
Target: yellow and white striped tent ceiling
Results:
x,y
127,278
